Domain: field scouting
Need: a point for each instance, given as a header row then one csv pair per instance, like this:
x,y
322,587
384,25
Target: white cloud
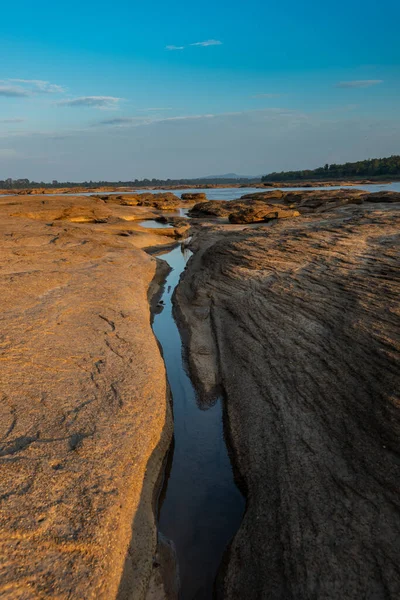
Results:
x,y
208,43
174,47
359,83
10,91
38,85
102,102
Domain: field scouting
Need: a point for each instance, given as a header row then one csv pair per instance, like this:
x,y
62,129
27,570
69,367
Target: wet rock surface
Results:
x,y
84,411
298,321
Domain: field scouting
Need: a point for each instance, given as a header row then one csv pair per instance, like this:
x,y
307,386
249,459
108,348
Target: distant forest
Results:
x,y
373,167
21,184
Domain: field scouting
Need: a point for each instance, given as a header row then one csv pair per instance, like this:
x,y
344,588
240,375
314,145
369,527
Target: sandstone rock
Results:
x,y
215,208
267,196
84,412
197,196
264,213
303,336
383,196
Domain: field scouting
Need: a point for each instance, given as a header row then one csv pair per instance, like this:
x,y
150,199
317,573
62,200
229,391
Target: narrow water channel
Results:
x,y
201,506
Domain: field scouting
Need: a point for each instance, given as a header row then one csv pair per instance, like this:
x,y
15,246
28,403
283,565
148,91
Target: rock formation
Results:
x,y
85,420
298,321
196,196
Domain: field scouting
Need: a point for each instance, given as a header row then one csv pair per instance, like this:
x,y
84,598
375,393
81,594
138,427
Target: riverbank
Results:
x,y
292,318
297,321
85,412
198,186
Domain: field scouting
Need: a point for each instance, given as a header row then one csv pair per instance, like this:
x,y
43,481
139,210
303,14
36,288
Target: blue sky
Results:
x,y
93,90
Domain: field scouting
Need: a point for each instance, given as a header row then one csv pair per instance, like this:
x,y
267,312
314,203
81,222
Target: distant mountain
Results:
x,y
231,176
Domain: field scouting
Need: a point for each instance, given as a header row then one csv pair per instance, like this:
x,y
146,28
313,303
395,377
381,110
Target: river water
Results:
x,y
201,507
235,193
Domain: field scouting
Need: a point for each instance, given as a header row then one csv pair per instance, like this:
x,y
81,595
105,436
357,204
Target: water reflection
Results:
x,y
201,506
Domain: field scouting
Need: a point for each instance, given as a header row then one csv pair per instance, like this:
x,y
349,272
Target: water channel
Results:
x,y
201,507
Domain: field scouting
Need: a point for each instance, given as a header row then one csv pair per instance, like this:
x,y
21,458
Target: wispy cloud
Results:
x,y
38,85
149,120
359,83
20,88
208,43
13,91
174,48
270,113
266,96
120,121
12,120
102,102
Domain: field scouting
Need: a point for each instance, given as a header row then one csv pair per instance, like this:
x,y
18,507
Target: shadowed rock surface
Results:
x,y
196,196
254,214
303,201
84,412
299,323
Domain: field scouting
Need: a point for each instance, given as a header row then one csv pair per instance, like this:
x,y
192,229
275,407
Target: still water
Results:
x,y
201,506
151,224
235,193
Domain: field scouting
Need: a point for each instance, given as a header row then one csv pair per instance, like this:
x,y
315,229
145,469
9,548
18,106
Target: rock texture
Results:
x,y
162,201
197,196
255,214
298,321
85,420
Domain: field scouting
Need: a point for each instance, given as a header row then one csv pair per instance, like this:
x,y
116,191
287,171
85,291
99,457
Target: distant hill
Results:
x,y
373,167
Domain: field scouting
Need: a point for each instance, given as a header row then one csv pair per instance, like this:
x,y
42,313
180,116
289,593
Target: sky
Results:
x,y
124,90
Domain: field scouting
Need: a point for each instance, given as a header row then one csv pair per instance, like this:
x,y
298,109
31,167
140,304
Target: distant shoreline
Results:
x,y
123,188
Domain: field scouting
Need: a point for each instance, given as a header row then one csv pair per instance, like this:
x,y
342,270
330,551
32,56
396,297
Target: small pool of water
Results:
x,y
151,224
201,507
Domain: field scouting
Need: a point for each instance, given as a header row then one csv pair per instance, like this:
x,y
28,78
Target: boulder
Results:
x,y
261,214
196,196
264,195
213,208
383,196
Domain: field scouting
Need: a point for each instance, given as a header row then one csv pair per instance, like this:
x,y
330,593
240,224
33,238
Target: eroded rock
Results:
x,y
299,322
254,214
84,412
194,196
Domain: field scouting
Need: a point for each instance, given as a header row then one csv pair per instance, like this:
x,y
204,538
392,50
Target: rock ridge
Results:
x,y
299,322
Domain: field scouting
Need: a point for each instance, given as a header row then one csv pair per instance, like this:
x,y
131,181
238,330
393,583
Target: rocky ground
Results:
x,y
85,420
297,321
289,304
264,206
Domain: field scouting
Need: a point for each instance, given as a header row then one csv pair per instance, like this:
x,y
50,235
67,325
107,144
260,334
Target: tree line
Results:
x,y
373,167
20,184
